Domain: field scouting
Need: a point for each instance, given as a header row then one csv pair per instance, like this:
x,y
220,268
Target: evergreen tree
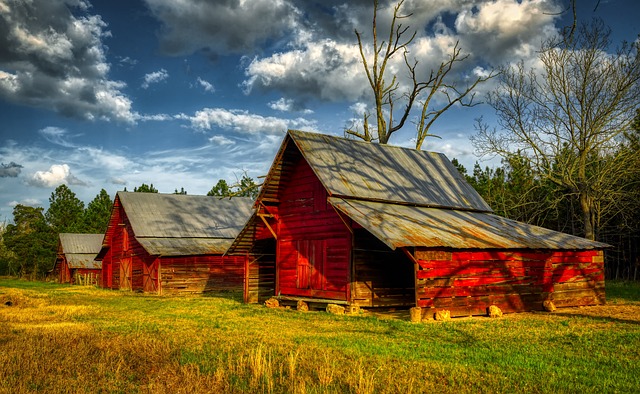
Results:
x,y
144,188
221,189
32,241
65,211
96,216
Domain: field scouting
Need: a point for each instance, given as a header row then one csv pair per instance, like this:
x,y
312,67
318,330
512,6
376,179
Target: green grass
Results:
x,y
59,338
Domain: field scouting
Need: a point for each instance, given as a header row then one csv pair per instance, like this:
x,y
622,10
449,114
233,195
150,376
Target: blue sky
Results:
x,y
112,94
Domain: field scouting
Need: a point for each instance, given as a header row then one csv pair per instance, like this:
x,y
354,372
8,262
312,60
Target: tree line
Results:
x,y
28,245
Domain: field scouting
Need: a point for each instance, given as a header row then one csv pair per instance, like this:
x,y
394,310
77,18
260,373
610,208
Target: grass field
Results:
x,y
58,338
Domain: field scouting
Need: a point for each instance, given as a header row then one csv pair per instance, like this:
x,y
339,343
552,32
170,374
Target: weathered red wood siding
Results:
x,y
314,245
93,276
199,274
65,272
468,282
125,256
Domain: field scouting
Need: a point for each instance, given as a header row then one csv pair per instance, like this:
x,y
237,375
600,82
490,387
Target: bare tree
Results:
x,y
569,118
386,88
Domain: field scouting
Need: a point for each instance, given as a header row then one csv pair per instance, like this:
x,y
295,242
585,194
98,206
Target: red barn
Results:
x,y
75,258
171,243
372,225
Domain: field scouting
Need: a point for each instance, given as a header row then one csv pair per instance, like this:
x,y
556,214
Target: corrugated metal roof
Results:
x,y
80,250
377,172
158,215
185,246
403,225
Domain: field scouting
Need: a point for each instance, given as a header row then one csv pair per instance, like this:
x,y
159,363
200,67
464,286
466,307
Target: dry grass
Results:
x,y
63,339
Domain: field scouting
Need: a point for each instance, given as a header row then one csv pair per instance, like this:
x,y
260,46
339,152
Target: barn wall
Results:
x,y
65,273
260,272
313,247
122,246
199,274
468,282
86,276
382,277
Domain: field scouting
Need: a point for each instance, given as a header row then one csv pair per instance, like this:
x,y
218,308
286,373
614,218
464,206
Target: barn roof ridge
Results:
x,y
386,173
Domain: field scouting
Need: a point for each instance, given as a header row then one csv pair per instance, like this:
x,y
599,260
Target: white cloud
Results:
x,y
154,77
57,174
208,87
221,140
244,121
55,59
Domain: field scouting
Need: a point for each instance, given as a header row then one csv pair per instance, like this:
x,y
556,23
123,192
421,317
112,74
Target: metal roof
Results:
x,y
403,225
376,172
80,250
184,246
178,225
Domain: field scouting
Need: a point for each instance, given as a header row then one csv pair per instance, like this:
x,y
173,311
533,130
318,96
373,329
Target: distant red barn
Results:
x,y
171,243
75,258
374,225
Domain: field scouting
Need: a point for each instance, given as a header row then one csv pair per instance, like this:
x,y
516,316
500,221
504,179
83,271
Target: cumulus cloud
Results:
x,y
244,121
57,174
154,77
288,105
221,26
11,170
323,69
208,86
322,59
53,58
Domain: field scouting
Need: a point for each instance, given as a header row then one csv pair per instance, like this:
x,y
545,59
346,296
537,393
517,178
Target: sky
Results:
x,y
108,94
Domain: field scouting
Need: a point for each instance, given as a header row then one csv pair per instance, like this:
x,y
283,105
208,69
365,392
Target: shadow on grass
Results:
x,y
604,319
623,290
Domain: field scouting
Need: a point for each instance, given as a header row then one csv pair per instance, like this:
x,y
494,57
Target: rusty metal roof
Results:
x,y
185,246
403,225
362,170
80,250
174,224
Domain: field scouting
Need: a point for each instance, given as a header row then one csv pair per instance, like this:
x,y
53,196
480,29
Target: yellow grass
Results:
x,y
63,339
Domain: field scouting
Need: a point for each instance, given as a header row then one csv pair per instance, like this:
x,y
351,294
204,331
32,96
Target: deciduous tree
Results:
x,y
388,91
568,118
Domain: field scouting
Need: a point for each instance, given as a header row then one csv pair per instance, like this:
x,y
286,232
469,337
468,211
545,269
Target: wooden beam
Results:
x,y
263,217
415,272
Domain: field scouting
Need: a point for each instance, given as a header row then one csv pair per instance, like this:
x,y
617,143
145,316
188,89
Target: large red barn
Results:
x,y
171,243
372,225
75,258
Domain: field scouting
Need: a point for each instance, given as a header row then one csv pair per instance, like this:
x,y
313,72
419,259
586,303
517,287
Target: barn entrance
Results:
x,y
382,277
125,273
150,277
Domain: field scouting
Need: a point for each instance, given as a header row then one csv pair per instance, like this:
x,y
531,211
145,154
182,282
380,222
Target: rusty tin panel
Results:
x,y
80,260
402,226
185,246
370,171
183,216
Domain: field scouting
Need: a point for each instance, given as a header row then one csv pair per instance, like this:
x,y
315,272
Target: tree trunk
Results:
x,y
587,215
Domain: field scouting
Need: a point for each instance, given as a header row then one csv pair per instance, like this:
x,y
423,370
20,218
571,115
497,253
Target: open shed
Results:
x,y
170,243
75,258
372,225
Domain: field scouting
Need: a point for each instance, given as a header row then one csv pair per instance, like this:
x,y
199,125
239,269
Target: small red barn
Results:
x,y
374,225
171,243
75,258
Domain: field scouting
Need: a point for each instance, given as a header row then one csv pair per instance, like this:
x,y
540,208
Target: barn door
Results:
x,y
125,273
310,264
150,277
